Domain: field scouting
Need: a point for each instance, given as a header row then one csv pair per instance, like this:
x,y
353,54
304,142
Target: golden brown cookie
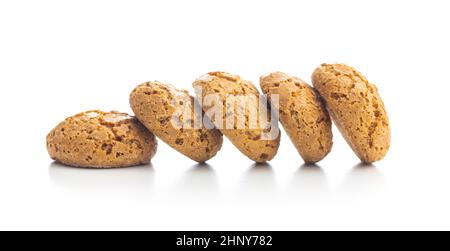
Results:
x,y
170,114
240,118
302,114
356,108
96,139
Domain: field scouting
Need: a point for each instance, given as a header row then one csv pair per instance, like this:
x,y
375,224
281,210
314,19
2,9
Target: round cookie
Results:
x,y
302,114
250,129
356,108
96,139
171,115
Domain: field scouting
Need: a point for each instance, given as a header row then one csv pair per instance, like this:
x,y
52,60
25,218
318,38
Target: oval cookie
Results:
x,y
170,114
356,108
96,139
236,113
302,114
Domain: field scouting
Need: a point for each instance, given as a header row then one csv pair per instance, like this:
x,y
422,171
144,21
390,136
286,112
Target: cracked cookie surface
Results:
x,y
249,138
356,108
302,114
96,139
171,115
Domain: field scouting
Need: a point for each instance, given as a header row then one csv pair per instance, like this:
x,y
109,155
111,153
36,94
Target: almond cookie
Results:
x,y
237,113
356,108
96,139
172,116
302,114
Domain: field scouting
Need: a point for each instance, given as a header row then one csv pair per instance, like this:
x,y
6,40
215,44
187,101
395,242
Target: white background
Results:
x,y
58,58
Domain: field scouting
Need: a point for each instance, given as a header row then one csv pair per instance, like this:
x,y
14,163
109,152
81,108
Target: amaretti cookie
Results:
x,y
170,114
96,139
234,106
356,108
302,114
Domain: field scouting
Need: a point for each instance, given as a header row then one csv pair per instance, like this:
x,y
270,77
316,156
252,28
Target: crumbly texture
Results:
x,y
302,114
156,105
356,108
249,139
96,139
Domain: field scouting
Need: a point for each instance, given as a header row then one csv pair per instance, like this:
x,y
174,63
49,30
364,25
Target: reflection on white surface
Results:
x,y
309,182
258,184
201,182
198,183
363,180
205,190
130,181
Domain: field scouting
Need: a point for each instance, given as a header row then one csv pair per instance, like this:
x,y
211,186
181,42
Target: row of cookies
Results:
x,y
106,140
